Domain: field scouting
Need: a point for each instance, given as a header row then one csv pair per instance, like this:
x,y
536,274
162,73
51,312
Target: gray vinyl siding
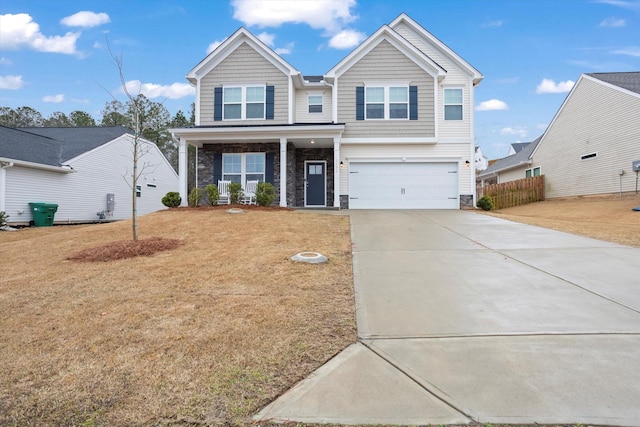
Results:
x,y
595,118
454,78
80,195
385,63
302,106
243,66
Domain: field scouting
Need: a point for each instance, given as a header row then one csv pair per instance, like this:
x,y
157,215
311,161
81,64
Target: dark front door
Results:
x,y
315,173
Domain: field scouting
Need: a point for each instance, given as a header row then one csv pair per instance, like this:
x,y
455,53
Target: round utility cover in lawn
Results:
x,y
637,208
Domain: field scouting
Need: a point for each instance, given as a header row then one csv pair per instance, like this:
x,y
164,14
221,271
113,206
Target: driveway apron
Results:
x,y
465,317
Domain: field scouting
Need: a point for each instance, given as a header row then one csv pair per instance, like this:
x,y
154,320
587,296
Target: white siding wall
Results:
x,y
598,119
513,174
385,63
245,65
426,153
302,114
82,194
455,78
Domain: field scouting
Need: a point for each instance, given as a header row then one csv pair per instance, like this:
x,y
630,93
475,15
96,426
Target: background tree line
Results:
x,y
155,120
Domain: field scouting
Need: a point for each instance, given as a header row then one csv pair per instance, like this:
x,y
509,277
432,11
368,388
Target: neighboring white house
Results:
x,y
390,126
591,143
481,162
77,168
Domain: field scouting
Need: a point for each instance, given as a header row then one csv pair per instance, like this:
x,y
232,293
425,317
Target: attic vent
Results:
x,y
589,156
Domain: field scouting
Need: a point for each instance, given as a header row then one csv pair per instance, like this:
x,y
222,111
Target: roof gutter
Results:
x,y
506,168
7,163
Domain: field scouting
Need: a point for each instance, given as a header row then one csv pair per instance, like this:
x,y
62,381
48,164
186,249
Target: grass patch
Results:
x,y
205,333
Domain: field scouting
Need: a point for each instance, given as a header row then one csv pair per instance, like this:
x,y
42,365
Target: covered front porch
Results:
x,y
301,160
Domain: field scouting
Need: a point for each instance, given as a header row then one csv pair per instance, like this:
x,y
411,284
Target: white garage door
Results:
x,y
403,186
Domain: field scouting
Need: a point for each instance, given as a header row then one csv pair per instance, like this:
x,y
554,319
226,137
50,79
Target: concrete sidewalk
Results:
x,y
464,317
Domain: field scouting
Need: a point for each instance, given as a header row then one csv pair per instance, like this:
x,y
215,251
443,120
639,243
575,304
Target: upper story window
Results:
x,y
243,102
315,103
453,104
386,102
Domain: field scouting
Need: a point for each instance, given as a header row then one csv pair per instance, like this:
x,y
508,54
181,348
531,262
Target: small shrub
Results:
x,y
265,194
485,203
235,192
172,199
3,218
212,194
195,197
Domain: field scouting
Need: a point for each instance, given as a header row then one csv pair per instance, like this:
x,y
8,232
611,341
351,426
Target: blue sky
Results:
x,y
53,54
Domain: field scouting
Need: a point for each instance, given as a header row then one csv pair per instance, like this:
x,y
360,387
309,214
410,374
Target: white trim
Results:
x,y
243,100
198,97
291,101
309,104
413,140
444,103
324,194
32,165
243,166
386,102
436,106
404,159
336,172
334,102
256,133
283,172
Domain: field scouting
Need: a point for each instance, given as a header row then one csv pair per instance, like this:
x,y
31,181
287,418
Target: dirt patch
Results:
x,y
203,334
125,249
608,218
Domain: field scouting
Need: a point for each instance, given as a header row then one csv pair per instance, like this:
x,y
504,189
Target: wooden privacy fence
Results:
x,y
514,193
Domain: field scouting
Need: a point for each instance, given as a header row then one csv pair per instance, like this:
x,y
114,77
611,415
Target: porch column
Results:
x,y
336,173
182,171
283,172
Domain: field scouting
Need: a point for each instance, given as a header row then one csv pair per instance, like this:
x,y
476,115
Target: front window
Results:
x,y
243,102
243,167
386,102
315,103
453,104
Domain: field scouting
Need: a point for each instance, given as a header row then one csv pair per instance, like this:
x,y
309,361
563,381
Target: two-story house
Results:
x,y
390,126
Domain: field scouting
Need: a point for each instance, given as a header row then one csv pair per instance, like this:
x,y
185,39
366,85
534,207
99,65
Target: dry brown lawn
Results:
x,y
203,334
609,218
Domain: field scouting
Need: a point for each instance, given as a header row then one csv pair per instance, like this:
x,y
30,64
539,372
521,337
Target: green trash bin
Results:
x,y
43,213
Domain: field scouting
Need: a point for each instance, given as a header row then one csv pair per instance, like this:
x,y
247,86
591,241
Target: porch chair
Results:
x,y
249,196
223,190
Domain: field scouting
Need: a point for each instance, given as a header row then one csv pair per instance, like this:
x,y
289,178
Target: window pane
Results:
x,y
232,111
315,108
315,99
232,177
398,111
255,111
375,94
255,177
527,173
232,94
536,172
398,94
453,96
255,162
231,163
453,112
375,111
255,94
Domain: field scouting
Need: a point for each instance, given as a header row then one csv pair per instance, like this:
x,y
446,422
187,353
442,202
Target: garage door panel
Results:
x,y
403,186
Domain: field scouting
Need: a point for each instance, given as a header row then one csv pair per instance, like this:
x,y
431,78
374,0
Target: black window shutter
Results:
x,y
413,102
217,104
359,102
269,167
269,103
217,168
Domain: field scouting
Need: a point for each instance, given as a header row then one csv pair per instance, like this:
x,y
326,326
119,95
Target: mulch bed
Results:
x,y
124,249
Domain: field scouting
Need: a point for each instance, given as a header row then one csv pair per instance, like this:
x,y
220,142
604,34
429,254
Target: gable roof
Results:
x,y
54,146
227,47
521,158
387,33
518,146
446,51
629,81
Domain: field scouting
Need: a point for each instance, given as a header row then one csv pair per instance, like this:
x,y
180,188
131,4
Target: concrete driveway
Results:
x,y
464,317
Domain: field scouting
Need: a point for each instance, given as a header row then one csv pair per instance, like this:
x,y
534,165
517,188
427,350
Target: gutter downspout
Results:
x,y
3,185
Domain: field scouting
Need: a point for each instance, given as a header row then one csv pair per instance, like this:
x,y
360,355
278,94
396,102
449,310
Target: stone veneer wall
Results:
x,y
310,154
466,201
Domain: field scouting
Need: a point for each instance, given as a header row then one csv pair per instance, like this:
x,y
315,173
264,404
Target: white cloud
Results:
x,y
330,15
20,31
631,51
152,90
493,24
550,86
86,19
214,45
612,22
346,39
492,105
285,50
11,82
632,5
520,131
5,61
266,38
55,99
